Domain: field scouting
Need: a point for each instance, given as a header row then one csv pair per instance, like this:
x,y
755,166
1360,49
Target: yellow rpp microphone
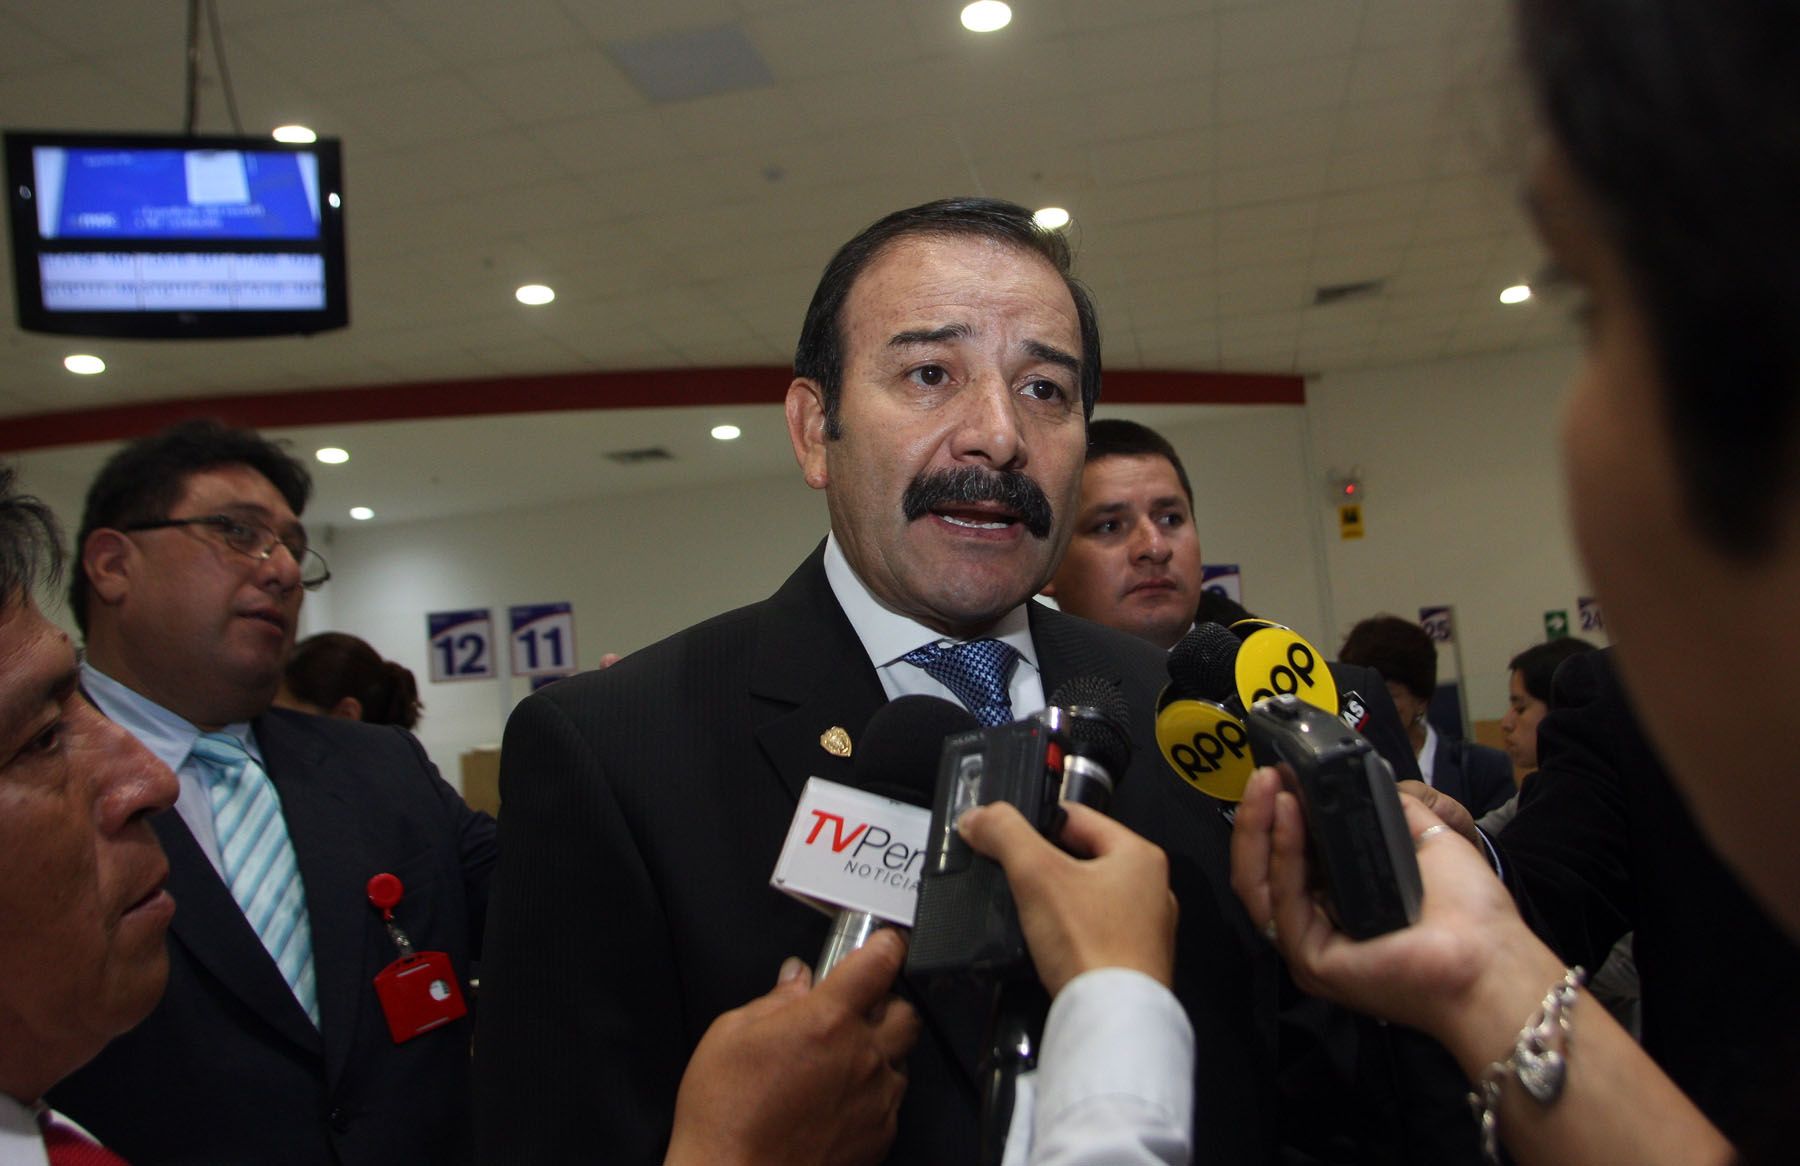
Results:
x,y
1199,719
1277,661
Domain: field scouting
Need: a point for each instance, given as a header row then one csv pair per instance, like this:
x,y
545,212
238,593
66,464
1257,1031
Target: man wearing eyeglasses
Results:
x,y
271,1043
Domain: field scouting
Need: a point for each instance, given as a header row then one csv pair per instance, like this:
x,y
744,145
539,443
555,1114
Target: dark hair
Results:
x,y
1680,118
1115,437
30,548
143,480
325,668
1537,664
1397,648
820,354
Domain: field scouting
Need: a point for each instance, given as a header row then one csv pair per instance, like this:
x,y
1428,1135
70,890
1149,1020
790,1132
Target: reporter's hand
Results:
x,y
1111,910
804,1074
1450,811
1468,949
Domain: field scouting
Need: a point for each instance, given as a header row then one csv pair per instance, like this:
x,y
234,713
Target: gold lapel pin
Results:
x,y
835,741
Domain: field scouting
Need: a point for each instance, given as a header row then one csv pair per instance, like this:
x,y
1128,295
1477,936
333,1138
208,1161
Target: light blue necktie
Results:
x,y
977,672
259,859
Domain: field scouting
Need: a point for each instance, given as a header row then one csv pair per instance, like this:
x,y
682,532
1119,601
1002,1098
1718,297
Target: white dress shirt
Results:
x,y
171,739
1115,1078
21,1139
887,635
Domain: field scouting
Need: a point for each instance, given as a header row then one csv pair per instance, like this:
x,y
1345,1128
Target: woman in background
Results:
x,y
1664,189
334,674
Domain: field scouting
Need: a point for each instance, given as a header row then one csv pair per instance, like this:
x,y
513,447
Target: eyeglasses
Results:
x,y
249,537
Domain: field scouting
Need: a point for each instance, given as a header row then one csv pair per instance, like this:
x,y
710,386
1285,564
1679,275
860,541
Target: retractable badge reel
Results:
x,y
418,991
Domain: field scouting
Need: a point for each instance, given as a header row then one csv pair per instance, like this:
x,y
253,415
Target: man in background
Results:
x,y
1133,564
83,909
271,1043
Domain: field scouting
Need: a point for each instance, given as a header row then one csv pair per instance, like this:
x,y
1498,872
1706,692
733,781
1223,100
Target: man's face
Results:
x,y
204,630
82,905
961,368
1133,562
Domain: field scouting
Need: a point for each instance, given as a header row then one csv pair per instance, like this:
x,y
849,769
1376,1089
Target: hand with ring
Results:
x,y
1468,931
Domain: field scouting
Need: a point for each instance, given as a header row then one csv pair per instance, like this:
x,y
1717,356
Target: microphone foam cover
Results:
x,y
898,755
1101,721
1203,666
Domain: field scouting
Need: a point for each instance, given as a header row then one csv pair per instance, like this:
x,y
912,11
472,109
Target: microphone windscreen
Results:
x,y
898,755
1100,721
1203,666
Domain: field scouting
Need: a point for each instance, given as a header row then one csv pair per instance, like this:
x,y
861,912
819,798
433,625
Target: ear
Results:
x,y
348,707
806,429
107,557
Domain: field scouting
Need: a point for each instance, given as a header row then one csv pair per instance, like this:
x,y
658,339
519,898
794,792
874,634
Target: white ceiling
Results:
x,y
1222,159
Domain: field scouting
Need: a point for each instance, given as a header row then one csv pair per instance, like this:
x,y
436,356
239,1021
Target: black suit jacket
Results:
x,y
1602,844
1478,776
228,1068
643,811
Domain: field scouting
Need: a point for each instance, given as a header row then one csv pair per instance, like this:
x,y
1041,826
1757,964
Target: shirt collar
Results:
x,y
169,737
887,635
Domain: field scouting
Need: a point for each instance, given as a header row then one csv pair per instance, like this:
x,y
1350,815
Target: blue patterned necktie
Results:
x,y
258,858
977,672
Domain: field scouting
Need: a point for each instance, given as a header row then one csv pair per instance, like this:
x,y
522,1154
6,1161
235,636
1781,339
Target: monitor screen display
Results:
x,y
156,236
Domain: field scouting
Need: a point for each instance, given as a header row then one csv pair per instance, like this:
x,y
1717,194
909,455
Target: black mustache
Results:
x,y
1016,492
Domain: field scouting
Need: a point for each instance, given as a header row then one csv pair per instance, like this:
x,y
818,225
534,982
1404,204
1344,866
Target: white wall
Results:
x,y
636,568
1464,506
1463,502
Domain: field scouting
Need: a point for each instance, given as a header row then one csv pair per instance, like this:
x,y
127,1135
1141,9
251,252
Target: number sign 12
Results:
x,y
462,645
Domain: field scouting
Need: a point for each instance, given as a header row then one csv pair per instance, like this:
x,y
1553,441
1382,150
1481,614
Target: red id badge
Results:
x,y
419,994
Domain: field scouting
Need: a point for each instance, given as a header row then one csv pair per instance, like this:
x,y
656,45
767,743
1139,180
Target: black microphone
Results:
x,y
1203,666
897,758
1091,717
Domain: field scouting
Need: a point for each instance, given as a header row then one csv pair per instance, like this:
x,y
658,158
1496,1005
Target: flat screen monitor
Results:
x,y
176,237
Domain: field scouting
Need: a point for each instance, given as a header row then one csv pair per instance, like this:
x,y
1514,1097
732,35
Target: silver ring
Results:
x,y
1429,832
1269,932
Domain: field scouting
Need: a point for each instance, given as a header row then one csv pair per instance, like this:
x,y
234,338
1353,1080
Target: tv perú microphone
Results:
x,y
856,850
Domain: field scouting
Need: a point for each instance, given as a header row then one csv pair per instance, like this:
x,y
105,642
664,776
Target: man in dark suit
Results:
x,y
944,376
1477,776
270,1044
1133,563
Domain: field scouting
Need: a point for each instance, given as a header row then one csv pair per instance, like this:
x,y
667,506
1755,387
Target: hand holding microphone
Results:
x,y
1104,902
806,1074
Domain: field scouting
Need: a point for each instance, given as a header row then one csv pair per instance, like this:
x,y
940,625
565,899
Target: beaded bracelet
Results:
x,y
1537,1065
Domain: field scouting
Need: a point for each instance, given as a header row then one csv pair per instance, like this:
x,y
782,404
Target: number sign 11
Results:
x,y
543,639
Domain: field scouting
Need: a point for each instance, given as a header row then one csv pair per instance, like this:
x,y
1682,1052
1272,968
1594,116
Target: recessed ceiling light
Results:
x,y
299,135
361,513
726,432
84,364
535,294
1051,218
334,200
986,16
1518,293
331,455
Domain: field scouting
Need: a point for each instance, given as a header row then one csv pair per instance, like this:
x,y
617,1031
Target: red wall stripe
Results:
x,y
654,388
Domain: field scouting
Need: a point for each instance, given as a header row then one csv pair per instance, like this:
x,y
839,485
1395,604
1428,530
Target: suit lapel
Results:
x,y
812,675
211,927
322,825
